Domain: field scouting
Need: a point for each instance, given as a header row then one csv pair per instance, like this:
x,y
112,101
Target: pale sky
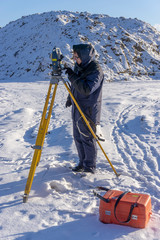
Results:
x,y
145,10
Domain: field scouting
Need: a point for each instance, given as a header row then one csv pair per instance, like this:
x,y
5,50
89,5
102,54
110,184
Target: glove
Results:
x,y
69,71
68,102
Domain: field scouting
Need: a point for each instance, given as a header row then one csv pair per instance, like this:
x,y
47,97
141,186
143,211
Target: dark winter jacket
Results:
x,y
86,83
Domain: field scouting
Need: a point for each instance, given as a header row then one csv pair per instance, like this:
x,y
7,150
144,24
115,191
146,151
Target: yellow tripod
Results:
x,y
46,115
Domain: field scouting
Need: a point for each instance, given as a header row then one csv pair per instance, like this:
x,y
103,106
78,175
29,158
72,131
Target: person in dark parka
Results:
x,y
86,86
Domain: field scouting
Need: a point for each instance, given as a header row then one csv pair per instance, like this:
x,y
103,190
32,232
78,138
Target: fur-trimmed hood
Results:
x,y
86,52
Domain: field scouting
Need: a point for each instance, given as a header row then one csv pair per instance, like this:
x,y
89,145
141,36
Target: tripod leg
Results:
x,y
88,125
47,120
40,140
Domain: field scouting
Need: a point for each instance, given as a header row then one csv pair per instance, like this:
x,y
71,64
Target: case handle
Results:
x,y
99,196
130,212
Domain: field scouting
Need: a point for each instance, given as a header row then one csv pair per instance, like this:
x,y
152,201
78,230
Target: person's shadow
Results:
x,y
86,228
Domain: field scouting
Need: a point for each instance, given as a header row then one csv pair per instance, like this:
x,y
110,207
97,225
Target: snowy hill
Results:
x,y
61,205
126,48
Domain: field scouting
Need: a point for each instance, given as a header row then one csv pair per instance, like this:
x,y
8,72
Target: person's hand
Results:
x,y
69,71
68,102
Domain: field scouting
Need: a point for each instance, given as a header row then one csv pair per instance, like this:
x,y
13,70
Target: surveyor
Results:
x,y
86,86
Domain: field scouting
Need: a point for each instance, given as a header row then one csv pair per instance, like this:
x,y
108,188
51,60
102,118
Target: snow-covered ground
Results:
x,y
61,205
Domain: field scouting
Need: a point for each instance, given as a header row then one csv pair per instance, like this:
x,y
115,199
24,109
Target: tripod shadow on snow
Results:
x,y
59,137
88,227
31,134
10,204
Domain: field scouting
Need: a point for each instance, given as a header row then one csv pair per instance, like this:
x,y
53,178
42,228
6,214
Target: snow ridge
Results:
x,y
126,48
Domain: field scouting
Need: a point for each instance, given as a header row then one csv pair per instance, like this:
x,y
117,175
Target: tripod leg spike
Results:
x,y
25,198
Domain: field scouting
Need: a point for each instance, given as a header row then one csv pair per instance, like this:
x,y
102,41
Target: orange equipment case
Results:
x,y
125,208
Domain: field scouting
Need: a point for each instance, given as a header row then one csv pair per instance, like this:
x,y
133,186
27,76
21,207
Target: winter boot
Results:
x,y
78,168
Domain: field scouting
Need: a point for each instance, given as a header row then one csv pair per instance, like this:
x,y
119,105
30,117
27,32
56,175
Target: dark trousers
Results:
x,y
85,142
